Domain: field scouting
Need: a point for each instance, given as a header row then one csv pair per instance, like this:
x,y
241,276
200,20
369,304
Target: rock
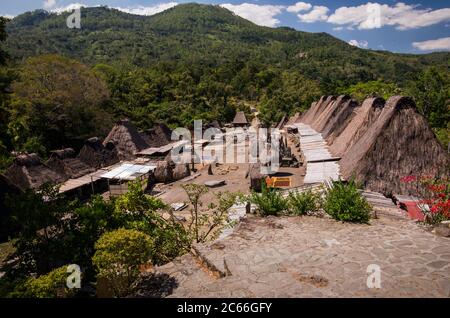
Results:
x,y
180,218
215,183
442,230
181,171
164,172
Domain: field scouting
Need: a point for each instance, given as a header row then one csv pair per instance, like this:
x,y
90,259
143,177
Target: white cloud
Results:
x,y
338,29
8,16
48,4
259,14
69,7
317,14
442,44
138,10
361,44
402,16
299,6
150,10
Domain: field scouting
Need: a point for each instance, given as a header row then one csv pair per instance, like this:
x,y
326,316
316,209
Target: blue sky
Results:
x,y
417,26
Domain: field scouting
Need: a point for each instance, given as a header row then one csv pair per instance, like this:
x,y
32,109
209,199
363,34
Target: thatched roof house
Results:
x,y
240,120
65,163
97,155
159,135
378,142
29,172
127,140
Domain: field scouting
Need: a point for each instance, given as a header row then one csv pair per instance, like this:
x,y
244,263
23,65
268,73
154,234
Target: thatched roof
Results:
x,y
125,136
240,119
159,135
29,172
282,122
380,145
294,119
97,155
316,109
65,163
363,118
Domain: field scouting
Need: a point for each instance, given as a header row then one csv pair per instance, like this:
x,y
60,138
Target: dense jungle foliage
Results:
x,y
59,85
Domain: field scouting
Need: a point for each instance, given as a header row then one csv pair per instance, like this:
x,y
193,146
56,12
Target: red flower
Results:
x,y
408,179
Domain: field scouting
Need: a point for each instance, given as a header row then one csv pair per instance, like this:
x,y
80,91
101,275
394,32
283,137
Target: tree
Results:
x,y
3,35
43,222
6,77
431,91
194,193
58,101
118,257
362,90
203,226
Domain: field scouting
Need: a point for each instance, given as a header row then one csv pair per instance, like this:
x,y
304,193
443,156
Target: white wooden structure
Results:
x,y
121,175
320,164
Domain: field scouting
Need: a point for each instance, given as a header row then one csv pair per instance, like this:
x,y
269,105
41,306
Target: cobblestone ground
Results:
x,y
318,257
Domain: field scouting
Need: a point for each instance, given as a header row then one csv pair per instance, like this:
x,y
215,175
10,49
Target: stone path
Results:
x,y
316,257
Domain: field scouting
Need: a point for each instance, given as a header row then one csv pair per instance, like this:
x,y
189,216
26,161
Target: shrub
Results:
x,y
344,203
269,202
51,285
118,257
302,203
435,194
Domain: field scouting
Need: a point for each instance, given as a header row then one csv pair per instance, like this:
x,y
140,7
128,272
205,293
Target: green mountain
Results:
x,y
208,36
189,62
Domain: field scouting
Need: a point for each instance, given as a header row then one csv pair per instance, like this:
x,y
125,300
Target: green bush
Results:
x,y
302,203
51,285
269,202
344,203
118,257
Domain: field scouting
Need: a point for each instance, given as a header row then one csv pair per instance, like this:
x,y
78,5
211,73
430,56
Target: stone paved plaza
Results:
x,y
316,257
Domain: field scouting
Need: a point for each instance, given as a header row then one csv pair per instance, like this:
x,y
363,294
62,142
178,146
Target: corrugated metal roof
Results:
x,y
128,171
320,163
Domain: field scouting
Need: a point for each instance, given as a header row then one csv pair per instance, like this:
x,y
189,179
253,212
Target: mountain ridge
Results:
x,y
205,34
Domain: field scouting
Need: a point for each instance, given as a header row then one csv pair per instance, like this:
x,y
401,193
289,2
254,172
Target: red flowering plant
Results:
x,y
435,197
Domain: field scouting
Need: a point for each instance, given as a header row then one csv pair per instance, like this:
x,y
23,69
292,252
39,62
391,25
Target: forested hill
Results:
x,y
60,86
208,36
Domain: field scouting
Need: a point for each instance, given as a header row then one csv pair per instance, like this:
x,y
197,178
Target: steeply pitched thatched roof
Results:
x,y
65,163
240,119
380,143
159,135
126,138
29,172
97,155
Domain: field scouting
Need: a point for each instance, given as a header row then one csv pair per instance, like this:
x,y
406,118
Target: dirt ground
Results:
x,y
232,174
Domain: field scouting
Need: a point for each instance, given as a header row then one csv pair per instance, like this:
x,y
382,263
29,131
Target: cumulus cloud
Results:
x,y
317,14
8,16
259,14
48,4
402,16
148,10
338,28
361,44
442,44
138,10
69,7
299,6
